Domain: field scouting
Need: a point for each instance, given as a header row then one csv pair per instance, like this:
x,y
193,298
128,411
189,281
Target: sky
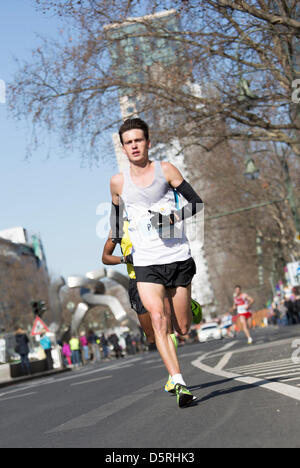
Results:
x,y
56,197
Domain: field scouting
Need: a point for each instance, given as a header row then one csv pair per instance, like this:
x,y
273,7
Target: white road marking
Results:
x,y
17,396
20,389
222,363
227,346
91,372
290,380
263,365
255,347
278,376
276,371
91,380
278,387
189,354
96,415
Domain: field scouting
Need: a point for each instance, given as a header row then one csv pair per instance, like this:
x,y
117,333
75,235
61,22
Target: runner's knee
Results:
x,y
183,328
159,321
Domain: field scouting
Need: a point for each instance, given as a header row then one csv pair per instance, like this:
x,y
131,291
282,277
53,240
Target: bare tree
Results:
x,y
247,52
219,76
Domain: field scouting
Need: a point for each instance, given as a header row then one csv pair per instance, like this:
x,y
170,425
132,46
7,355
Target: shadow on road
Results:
x,y
225,391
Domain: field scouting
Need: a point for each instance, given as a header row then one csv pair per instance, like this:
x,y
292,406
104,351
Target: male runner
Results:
x,y
144,318
242,303
143,315
161,252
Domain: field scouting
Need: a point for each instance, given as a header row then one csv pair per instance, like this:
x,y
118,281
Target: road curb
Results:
x,y
27,378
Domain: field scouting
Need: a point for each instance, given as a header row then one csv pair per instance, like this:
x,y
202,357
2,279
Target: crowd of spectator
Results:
x,y
286,307
90,347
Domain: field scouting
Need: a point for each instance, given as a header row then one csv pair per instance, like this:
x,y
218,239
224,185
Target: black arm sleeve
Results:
x,y
195,204
116,221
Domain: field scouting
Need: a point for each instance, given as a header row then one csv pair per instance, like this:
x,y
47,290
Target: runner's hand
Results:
x,y
160,221
129,259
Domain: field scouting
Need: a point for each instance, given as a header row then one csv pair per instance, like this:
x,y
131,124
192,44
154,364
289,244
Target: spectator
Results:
x,y
104,345
129,344
85,347
289,310
227,324
275,319
92,339
138,342
22,349
45,343
283,313
193,335
67,353
114,340
75,349
297,303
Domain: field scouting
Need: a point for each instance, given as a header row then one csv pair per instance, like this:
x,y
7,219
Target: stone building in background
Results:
x,y
23,278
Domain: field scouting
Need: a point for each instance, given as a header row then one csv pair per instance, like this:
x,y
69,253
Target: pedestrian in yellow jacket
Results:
x,y
75,349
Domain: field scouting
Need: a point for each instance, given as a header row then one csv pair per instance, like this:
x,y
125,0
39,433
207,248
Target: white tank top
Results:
x,y
148,247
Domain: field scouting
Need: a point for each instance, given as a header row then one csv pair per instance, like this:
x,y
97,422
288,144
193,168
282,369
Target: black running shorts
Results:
x,y
134,297
170,275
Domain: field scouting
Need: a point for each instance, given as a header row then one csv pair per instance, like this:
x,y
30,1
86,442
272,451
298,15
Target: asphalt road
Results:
x,y
248,396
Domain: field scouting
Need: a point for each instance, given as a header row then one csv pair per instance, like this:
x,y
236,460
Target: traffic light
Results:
x,y
42,307
38,308
35,308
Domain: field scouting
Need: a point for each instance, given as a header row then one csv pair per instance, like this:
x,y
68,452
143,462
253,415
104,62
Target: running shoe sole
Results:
x,y
184,396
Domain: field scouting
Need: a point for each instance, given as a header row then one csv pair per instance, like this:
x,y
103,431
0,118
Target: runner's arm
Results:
x,y
107,255
195,204
117,207
249,300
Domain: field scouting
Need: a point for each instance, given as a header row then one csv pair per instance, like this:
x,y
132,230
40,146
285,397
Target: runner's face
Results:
x,y
135,145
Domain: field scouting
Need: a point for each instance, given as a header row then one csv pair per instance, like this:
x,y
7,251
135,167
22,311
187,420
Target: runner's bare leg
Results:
x,y
244,326
153,295
182,316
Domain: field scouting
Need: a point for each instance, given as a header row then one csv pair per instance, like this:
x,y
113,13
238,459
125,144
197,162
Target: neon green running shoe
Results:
x,y
196,311
170,386
184,396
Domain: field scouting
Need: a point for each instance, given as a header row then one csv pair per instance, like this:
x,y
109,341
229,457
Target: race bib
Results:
x,y
242,309
146,229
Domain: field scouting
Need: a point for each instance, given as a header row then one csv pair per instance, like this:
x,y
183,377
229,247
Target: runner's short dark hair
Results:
x,y
133,124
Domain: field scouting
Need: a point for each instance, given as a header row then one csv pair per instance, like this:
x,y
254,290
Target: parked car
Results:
x,y
209,331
